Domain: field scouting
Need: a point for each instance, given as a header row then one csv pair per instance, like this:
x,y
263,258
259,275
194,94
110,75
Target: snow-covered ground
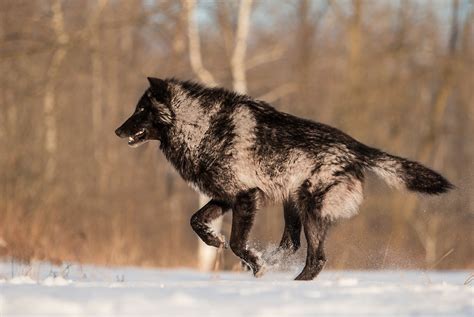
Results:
x,y
45,290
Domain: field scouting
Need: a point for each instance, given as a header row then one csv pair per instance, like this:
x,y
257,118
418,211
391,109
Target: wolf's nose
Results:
x,y
118,132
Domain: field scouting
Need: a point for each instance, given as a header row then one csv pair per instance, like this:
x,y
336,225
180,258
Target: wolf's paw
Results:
x,y
244,266
216,241
260,271
310,272
259,267
304,276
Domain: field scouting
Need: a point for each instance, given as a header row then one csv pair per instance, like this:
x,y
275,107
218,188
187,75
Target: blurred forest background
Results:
x,y
397,75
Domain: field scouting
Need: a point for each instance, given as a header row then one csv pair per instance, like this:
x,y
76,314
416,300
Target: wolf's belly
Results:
x,y
277,177
275,186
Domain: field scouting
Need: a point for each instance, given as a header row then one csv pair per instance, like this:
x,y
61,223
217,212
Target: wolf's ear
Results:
x,y
159,89
157,84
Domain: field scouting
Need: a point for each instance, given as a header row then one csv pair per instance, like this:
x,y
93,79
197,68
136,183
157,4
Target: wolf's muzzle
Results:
x,y
120,133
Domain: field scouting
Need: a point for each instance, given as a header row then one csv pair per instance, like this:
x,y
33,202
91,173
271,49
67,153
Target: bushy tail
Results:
x,y
397,171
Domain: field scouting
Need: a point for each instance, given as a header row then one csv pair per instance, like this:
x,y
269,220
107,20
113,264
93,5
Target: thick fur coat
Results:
x,y
242,152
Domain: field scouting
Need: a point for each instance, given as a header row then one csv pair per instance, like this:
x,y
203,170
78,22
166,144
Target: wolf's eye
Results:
x,y
141,109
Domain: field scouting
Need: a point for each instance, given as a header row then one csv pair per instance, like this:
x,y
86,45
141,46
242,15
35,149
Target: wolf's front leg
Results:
x,y
201,222
243,214
290,241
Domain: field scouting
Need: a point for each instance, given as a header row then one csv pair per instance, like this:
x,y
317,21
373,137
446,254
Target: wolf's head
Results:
x,y
151,117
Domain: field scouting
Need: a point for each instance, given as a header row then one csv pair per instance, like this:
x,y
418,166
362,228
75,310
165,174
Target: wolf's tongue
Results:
x,y
133,139
137,139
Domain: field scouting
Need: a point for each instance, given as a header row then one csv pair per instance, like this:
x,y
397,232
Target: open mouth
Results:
x,y
138,138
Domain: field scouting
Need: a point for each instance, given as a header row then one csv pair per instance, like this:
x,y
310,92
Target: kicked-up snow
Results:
x,y
75,290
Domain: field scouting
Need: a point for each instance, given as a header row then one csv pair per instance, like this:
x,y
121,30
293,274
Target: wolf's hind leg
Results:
x,y
315,229
201,222
290,241
243,214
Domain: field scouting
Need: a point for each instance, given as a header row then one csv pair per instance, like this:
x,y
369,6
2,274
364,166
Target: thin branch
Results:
x,y
195,46
442,258
338,11
279,92
267,56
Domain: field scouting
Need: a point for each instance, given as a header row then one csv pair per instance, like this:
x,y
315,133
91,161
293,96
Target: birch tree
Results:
x,y
238,57
49,99
206,254
97,84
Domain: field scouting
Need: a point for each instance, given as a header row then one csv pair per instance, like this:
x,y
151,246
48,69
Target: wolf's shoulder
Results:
x,y
269,115
207,96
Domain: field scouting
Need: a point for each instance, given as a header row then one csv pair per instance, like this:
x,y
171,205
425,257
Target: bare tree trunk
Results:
x,y
427,231
308,23
179,37
305,47
49,99
5,124
206,254
97,90
355,46
240,48
225,26
354,39
194,43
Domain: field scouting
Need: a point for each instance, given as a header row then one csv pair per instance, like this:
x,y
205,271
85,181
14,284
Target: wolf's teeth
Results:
x,y
130,138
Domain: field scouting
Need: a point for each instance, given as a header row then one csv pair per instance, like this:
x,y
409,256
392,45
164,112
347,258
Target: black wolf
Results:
x,y
242,152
